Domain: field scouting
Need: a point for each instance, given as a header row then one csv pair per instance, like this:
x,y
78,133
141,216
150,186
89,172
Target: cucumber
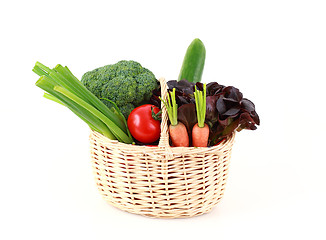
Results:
x,y
193,62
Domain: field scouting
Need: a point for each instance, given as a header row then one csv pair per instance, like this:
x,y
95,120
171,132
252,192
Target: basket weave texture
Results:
x,y
160,181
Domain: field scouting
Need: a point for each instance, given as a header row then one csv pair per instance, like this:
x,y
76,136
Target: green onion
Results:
x,y
46,84
63,77
122,137
53,98
63,87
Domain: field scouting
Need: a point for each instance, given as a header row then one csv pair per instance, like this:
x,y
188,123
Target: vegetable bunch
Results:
x,y
226,108
63,87
200,115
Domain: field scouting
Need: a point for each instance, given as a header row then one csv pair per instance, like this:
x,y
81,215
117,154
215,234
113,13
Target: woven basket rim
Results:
x,y
219,146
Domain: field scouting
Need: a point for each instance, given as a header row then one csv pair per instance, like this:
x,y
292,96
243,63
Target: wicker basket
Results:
x,y
162,181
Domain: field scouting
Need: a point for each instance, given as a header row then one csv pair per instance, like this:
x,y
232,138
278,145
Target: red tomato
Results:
x,y
141,124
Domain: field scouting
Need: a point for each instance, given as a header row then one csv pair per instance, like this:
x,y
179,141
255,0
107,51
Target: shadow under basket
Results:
x,y
160,181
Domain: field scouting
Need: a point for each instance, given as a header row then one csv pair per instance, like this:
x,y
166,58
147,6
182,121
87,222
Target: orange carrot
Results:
x,y
177,130
200,135
179,135
200,132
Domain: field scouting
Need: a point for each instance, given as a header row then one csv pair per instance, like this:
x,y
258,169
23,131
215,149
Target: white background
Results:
x,y
273,51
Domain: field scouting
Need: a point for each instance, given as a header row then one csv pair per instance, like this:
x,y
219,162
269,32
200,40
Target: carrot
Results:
x,y
177,130
200,132
200,135
179,135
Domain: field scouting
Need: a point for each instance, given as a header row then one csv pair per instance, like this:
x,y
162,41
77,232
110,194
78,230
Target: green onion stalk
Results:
x,y
61,86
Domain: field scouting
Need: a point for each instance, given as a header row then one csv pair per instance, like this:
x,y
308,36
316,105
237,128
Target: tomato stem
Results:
x,y
156,116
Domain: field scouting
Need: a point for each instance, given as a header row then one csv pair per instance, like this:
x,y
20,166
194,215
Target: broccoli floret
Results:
x,y
126,83
120,90
89,78
126,109
92,83
146,83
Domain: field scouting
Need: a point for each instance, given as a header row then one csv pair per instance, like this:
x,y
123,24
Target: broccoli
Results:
x,y
126,83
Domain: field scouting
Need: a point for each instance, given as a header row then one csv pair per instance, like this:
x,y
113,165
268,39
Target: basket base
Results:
x,y
161,214
169,212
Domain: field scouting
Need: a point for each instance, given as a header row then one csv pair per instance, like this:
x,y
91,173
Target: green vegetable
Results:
x,y
63,87
126,83
193,62
200,98
171,107
200,131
